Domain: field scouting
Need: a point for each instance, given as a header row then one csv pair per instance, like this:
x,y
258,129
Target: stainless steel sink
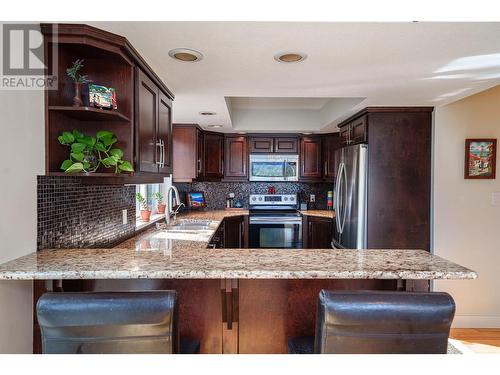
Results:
x,y
189,230
188,225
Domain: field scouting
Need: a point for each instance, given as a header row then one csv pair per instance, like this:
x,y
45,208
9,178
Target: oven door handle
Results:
x,y
275,220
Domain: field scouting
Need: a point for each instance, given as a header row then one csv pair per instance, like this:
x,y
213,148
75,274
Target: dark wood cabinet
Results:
x,y
142,120
213,155
310,158
200,154
153,127
331,143
317,232
268,145
261,145
218,156
147,124
355,131
234,232
165,132
344,135
359,129
399,179
285,145
236,157
187,152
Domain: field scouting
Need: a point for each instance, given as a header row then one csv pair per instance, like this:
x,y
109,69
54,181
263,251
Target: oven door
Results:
x,y
275,232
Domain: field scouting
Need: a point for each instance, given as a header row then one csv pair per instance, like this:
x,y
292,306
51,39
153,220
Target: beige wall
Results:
x,y
466,224
21,159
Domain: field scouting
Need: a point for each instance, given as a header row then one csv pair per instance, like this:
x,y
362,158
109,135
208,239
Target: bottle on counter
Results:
x,y
329,200
230,201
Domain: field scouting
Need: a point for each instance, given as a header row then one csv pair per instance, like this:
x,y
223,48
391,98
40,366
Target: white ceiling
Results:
x,y
349,66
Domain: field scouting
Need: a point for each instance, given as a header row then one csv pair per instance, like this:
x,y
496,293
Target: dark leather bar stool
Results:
x,y
142,322
379,322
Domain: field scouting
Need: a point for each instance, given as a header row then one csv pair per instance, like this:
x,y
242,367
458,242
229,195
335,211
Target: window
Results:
x,y
147,191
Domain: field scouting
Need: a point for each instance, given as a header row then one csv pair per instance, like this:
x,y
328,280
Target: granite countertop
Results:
x,y
151,254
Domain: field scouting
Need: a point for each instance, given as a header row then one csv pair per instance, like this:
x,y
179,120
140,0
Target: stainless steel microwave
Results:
x,y
274,167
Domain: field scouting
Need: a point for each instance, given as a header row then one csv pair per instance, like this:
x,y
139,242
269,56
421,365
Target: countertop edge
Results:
x,y
254,274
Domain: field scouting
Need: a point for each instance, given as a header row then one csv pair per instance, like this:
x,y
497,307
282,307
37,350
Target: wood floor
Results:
x,y
479,340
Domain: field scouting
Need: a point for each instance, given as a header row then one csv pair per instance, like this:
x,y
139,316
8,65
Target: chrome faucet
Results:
x,y
169,211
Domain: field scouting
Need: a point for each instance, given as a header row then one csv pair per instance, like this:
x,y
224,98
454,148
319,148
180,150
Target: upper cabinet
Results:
x,y
236,157
140,121
354,132
187,152
311,158
210,156
165,132
153,127
263,145
213,155
285,145
267,145
331,143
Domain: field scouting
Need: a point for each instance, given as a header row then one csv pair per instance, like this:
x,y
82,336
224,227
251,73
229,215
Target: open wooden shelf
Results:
x,y
95,174
90,113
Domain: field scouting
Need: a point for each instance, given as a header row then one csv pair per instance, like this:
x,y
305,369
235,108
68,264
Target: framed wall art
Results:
x,y
480,158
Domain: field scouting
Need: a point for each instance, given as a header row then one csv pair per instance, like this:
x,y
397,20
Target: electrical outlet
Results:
x,y
495,198
124,217
312,198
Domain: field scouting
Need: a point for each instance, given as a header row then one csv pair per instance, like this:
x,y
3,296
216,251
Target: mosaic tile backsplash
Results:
x,y
73,215
217,192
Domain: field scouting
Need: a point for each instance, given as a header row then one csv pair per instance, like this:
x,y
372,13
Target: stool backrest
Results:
x,y
114,322
383,322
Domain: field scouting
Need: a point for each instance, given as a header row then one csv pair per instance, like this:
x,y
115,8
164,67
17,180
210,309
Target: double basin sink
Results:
x,y
190,230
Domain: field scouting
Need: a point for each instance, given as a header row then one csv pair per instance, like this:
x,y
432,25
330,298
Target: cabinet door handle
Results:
x,y
326,169
199,165
222,166
163,153
159,144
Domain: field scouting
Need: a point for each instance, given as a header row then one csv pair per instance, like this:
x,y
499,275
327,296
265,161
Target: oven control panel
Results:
x,y
272,199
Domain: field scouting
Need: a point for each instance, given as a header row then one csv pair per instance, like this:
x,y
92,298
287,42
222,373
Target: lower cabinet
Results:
x,y
234,232
317,232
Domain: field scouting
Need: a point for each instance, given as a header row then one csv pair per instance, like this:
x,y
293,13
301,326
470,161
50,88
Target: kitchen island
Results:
x,y
233,300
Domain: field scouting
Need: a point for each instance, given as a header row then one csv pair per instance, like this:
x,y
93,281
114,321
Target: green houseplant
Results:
x,y
78,81
145,210
88,153
158,196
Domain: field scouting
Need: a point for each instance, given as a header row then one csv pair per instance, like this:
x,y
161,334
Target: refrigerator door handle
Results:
x,y
338,198
344,191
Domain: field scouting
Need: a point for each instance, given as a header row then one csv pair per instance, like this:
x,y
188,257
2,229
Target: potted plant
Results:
x,y
158,196
78,81
145,210
87,153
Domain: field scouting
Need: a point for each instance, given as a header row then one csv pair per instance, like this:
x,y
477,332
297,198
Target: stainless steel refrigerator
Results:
x,y
350,199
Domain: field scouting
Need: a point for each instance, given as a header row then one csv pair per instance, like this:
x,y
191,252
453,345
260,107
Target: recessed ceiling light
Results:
x,y
185,54
241,133
290,57
308,133
207,113
215,126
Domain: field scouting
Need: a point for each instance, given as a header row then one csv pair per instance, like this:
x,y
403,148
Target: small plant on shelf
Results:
x,y
158,196
145,210
78,81
88,153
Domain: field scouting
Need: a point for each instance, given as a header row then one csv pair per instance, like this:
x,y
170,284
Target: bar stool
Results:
x,y
379,322
142,322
